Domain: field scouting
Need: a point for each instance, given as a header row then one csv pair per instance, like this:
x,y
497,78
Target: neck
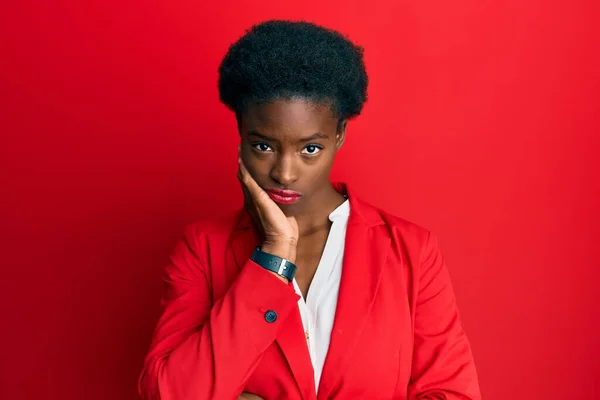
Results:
x,y
316,217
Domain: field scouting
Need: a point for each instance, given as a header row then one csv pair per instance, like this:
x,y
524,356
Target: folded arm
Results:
x,y
205,350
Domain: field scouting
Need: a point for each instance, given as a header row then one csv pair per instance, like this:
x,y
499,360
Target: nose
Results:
x,y
284,170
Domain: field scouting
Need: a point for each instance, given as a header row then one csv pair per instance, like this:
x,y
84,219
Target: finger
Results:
x,y
249,202
256,192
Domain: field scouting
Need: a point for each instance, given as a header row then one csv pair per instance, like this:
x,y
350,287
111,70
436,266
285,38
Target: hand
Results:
x,y
249,396
280,233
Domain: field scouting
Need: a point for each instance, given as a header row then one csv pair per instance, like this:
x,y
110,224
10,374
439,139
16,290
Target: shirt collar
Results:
x,y
341,212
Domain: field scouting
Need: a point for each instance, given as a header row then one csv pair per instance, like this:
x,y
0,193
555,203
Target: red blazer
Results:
x,y
396,334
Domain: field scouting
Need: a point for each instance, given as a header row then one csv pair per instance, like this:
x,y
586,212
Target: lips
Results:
x,y
283,196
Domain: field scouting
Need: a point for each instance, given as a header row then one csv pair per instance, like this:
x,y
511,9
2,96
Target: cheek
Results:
x,y
258,169
325,163
317,172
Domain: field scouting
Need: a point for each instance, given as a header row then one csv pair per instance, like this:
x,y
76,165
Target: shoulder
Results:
x,y
397,226
408,239
403,227
413,248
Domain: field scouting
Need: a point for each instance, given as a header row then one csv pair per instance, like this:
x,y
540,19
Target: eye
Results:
x,y
311,149
262,147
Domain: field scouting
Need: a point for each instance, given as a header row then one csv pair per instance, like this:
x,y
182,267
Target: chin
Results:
x,y
291,210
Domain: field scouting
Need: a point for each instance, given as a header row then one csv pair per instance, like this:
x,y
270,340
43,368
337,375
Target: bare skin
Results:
x,y
249,396
290,144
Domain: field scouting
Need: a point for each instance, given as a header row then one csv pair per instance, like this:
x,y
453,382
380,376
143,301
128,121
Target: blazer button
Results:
x,y
270,316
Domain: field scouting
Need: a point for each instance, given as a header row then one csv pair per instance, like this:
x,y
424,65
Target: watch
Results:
x,y
279,265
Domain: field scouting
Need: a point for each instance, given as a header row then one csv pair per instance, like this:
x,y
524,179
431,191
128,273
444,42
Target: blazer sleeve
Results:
x,y
443,366
202,350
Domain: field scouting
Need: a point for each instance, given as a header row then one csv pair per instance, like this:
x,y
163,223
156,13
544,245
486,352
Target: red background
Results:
x,y
482,125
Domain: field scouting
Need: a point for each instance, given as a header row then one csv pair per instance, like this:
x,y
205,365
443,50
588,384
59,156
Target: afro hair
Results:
x,y
286,60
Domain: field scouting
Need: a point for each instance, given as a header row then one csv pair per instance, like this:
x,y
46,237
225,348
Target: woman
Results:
x,y
308,292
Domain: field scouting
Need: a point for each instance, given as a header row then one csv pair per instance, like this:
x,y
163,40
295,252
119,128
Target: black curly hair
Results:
x,y
288,59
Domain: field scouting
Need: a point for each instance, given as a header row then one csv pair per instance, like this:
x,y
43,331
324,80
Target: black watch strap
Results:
x,y
279,265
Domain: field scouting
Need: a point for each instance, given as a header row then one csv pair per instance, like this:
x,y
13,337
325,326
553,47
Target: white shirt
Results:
x,y
318,310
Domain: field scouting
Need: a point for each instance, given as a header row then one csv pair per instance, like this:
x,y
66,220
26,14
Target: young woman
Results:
x,y
308,291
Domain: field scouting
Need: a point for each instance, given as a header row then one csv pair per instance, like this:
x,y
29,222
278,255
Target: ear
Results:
x,y
340,136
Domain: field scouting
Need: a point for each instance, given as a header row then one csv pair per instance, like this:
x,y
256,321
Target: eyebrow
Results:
x,y
314,136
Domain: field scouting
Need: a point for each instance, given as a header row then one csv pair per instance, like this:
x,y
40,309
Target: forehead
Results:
x,y
291,117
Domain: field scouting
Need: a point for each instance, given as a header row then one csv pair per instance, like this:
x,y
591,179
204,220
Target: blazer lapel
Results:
x,y
292,343
290,338
366,246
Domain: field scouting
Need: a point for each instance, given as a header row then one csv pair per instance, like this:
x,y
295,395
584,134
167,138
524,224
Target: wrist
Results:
x,y
277,260
281,278
283,250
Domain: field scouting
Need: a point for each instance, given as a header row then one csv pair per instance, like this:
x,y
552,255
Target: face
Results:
x,y
291,145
